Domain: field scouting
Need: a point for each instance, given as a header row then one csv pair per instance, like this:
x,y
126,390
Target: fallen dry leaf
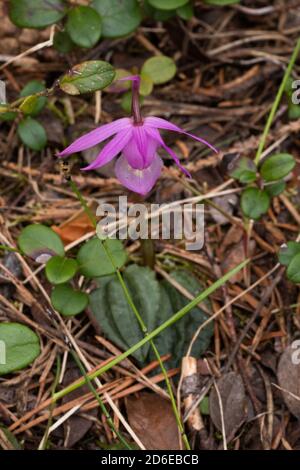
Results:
x,y
152,419
234,404
74,228
288,375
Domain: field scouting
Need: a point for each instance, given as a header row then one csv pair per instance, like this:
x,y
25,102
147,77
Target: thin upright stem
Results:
x,y
277,101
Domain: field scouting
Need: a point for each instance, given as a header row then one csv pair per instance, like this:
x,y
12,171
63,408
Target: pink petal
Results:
x,y
141,149
156,135
110,150
159,123
139,181
96,136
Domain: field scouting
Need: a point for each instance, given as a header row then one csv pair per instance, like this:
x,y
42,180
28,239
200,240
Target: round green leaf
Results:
x,y
167,4
40,242
159,69
254,203
19,346
275,189
68,301
60,269
32,133
293,270
84,26
244,170
36,13
62,42
93,260
87,77
186,12
277,166
146,84
118,17
288,252
33,104
5,114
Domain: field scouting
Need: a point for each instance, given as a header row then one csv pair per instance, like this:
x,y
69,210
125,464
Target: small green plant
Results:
x,y
86,77
263,182
42,244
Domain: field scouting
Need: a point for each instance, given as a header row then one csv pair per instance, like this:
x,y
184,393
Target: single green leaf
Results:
x,y
93,260
33,105
67,301
19,346
254,202
159,69
32,133
119,18
293,270
288,251
60,269
244,170
62,42
167,4
5,114
275,189
37,241
36,13
116,318
87,77
293,111
146,84
186,12
277,166
84,26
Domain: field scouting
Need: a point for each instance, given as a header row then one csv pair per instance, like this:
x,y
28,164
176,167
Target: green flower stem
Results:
x,y
101,404
138,317
177,316
277,101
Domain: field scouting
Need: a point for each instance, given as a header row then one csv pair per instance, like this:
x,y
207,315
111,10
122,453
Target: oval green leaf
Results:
x,y
19,346
67,301
87,77
32,133
33,104
288,252
167,4
293,270
254,203
93,260
277,166
40,242
159,69
118,17
60,269
36,13
84,26
62,42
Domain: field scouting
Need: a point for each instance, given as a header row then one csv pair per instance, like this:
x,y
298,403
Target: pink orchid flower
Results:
x,y
137,140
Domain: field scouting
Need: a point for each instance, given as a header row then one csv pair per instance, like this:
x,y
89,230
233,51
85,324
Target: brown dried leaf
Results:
x,y
152,419
75,228
288,374
234,403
